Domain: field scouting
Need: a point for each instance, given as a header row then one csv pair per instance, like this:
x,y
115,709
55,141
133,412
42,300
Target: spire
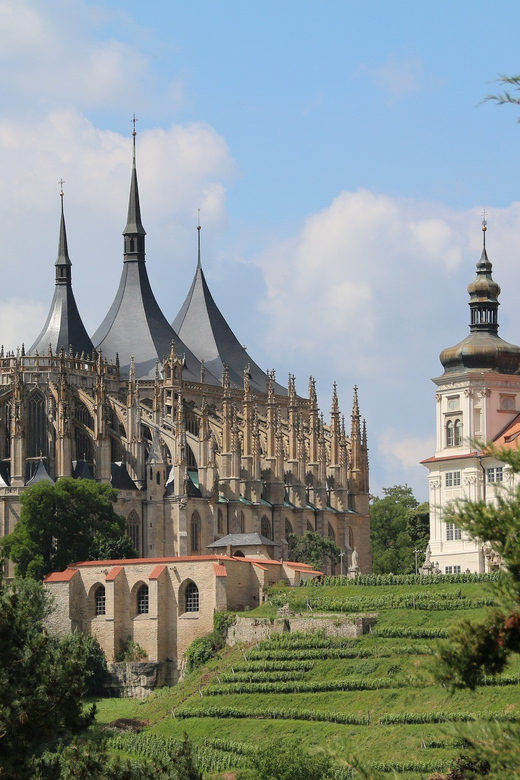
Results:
x,y
484,293
63,327
202,327
134,231
62,263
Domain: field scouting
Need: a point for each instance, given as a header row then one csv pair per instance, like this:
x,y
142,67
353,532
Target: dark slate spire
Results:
x,y
483,349
202,327
64,327
135,325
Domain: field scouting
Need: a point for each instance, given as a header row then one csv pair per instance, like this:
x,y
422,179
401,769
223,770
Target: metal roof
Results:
x,y
64,326
241,540
201,325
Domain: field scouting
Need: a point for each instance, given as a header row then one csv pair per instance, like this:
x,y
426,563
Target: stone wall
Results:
x,y
255,629
138,679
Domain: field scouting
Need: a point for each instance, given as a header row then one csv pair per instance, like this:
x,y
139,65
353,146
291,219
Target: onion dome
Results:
x,y
483,349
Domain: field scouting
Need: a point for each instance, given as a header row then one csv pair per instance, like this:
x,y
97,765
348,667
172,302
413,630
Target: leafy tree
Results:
x,y
41,679
506,97
479,648
314,549
71,520
399,525
288,760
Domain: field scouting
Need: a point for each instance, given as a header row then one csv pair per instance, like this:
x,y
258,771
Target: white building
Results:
x,y
477,402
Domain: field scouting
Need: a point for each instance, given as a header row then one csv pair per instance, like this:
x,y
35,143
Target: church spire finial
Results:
x,y
199,228
134,244
484,228
63,275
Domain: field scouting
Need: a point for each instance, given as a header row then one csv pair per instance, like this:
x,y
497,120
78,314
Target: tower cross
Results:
x,y
133,121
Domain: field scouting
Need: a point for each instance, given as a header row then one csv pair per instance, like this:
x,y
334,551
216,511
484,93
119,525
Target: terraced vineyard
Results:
x,y
372,697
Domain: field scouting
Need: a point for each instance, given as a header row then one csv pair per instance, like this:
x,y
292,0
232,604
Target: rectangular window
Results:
x,y
448,570
452,532
495,474
452,478
456,569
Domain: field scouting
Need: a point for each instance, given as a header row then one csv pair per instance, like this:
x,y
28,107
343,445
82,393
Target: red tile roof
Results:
x,y
220,570
146,561
156,573
61,576
112,574
433,459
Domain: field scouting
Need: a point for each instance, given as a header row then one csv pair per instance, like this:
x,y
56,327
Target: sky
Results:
x,y
339,153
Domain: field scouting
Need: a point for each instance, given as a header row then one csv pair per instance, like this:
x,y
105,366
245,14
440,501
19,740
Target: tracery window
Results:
x,y
331,532
37,427
133,525
142,600
195,532
288,528
192,597
265,527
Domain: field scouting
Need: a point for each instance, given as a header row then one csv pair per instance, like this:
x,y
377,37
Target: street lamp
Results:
x,y
416,553
341,562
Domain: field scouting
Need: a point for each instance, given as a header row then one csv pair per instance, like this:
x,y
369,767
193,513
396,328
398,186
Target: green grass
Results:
x,y
404,663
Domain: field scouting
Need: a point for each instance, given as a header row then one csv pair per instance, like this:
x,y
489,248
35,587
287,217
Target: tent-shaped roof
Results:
x,y
201,326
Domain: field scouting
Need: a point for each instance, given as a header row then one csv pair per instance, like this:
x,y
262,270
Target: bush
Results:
x,y
206,647
131,651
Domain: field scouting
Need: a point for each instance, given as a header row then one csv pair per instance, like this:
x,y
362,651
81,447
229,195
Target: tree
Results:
x,y
506,96
399,525
314,549
479,648
41,679
71,520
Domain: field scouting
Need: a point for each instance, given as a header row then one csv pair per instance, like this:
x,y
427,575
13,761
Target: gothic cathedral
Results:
x,y
208,452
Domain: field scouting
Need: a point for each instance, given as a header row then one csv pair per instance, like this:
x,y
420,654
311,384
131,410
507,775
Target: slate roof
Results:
x,y
120,478
135,325
40,475
201,326
64,326
241,540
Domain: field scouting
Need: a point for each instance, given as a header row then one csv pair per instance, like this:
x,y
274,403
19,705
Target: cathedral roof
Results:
x,y
482,349
63,327
203,328
135,325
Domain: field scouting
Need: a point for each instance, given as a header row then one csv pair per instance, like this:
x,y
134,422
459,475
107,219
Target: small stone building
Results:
x,y
162,604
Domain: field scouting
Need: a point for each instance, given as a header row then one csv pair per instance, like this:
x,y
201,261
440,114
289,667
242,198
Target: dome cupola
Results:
x,y
483,349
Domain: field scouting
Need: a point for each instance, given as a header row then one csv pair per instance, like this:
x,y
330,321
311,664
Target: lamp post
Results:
x,y
341,563
416,553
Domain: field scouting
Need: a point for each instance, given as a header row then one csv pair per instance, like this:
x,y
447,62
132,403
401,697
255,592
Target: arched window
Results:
x,y
195,532
457,433
37,427
309,527
288,528
133,525
192,597
100,604
220,522
265,527
242,525
331,532
449,433
351,538
142,600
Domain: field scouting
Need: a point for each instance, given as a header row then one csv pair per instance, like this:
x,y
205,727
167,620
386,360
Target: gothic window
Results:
x,y
449,433
100,601
83,416
351,538
220,522
132,528
288,528
7,423
242,526
265,527
331,533
37,427
192,597
457,433
192,424
142,600
309,527
195,533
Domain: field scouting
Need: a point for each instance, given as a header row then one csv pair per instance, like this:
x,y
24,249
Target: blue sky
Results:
x,y
338,155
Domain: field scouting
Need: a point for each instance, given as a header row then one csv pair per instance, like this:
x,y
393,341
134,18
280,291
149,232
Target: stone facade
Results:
x,y
162,604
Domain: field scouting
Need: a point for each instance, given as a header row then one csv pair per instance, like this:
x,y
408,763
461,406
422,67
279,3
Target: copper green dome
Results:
x,y
483,349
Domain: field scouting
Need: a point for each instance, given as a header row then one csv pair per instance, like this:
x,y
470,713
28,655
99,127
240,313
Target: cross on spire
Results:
x,y
133,121
61,183
484,226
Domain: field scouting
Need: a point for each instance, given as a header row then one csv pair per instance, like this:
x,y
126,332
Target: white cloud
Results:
x,y
398,77
20,321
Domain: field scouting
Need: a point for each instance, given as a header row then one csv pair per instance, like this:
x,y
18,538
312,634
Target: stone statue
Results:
x,y
355,560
